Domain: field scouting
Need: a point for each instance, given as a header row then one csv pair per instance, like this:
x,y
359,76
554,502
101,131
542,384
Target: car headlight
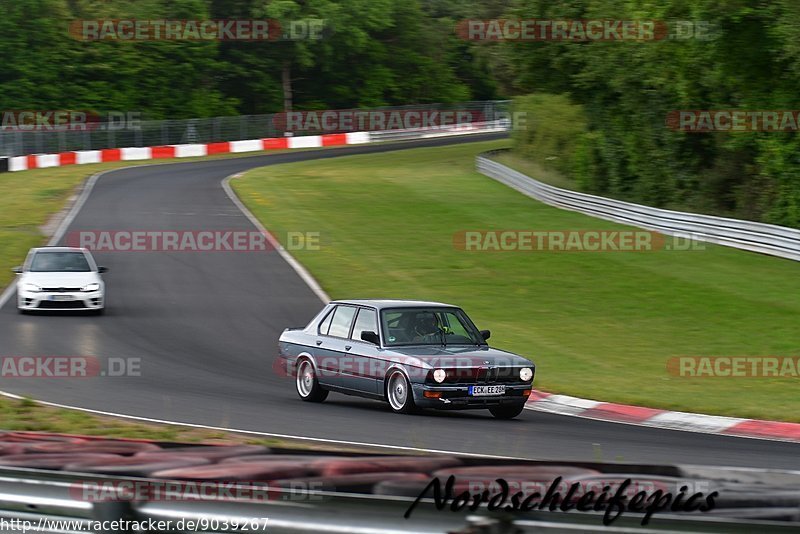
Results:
x,y
92,287
525,374
33,288
439,375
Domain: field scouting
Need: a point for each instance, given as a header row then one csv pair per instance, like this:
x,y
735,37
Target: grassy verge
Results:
x,y
27,415
598,324
29,198
536,170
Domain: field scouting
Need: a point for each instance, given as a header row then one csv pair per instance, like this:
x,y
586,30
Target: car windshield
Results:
x,y
59,262
428,326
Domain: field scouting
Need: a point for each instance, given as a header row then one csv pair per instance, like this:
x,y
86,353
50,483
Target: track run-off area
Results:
x,y
205,328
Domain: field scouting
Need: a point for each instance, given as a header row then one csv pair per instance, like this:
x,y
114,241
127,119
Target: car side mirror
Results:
x,y
370,337
486,334
17,270
102,270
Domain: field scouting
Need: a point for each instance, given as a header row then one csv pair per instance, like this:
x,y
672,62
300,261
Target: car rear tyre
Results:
x,y
507,412
399,394
308,387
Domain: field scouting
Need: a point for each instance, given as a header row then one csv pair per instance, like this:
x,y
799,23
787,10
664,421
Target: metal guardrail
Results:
x,y
746,235
201,130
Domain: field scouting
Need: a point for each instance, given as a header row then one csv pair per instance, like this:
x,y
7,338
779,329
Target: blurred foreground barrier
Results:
x,y
101,485
747,235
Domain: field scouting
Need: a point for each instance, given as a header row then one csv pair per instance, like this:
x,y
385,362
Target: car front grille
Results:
x,y
61,289
63,305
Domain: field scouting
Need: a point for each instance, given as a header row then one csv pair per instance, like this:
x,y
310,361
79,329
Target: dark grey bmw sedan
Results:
x,y
412,354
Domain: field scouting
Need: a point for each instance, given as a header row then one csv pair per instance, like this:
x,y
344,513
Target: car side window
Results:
x,y
342,319
366,320
326,323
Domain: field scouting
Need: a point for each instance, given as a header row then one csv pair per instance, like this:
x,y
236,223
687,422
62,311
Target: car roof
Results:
x,y
58,249
394,303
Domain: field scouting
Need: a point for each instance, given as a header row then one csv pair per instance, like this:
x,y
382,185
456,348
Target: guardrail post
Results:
x,y
113,511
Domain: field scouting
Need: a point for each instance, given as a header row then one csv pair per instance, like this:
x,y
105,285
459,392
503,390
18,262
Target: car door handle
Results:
x,y
348,347
319,342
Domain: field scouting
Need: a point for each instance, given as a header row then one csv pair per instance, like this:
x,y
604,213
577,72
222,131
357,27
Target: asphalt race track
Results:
x,y
206,325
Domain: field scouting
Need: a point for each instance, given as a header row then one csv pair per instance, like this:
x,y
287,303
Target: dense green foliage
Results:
x,y
373,53
626,89
603,126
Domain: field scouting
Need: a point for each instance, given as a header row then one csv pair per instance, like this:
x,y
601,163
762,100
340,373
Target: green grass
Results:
x,y
28,415
541,172
598,324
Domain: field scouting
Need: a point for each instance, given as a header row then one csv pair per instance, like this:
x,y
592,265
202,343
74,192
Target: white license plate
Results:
x,y
483,391
61,298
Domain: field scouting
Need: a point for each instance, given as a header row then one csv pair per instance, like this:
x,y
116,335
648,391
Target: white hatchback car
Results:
x,y
60,278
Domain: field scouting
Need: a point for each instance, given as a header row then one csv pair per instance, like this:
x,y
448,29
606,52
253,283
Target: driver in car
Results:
x,y
427,329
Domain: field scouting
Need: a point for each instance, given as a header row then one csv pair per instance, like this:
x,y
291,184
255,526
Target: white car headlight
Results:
x,y
92,287
525,374
439,375
33,288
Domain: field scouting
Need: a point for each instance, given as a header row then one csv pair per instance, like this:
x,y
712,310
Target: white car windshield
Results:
x,y
59,262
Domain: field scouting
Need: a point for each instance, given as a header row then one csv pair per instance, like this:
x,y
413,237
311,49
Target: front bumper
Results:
x,y
457,397
73,301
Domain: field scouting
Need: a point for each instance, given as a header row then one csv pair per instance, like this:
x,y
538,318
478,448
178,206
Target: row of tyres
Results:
x,y
83,477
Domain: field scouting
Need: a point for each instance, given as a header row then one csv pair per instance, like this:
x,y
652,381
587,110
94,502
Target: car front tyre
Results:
x,y
399,394
507,412
308,387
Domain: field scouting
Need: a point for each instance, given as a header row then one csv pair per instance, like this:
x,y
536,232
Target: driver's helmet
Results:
x,y
426,323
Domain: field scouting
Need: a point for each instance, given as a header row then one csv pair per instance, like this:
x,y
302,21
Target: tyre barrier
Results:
x,y
11,448
410,464
355,483
53,461
244,471
277,457
134,466
210,452
37,437
103,446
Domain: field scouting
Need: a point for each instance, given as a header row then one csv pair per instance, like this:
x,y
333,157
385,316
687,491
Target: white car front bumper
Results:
x,y
74,300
